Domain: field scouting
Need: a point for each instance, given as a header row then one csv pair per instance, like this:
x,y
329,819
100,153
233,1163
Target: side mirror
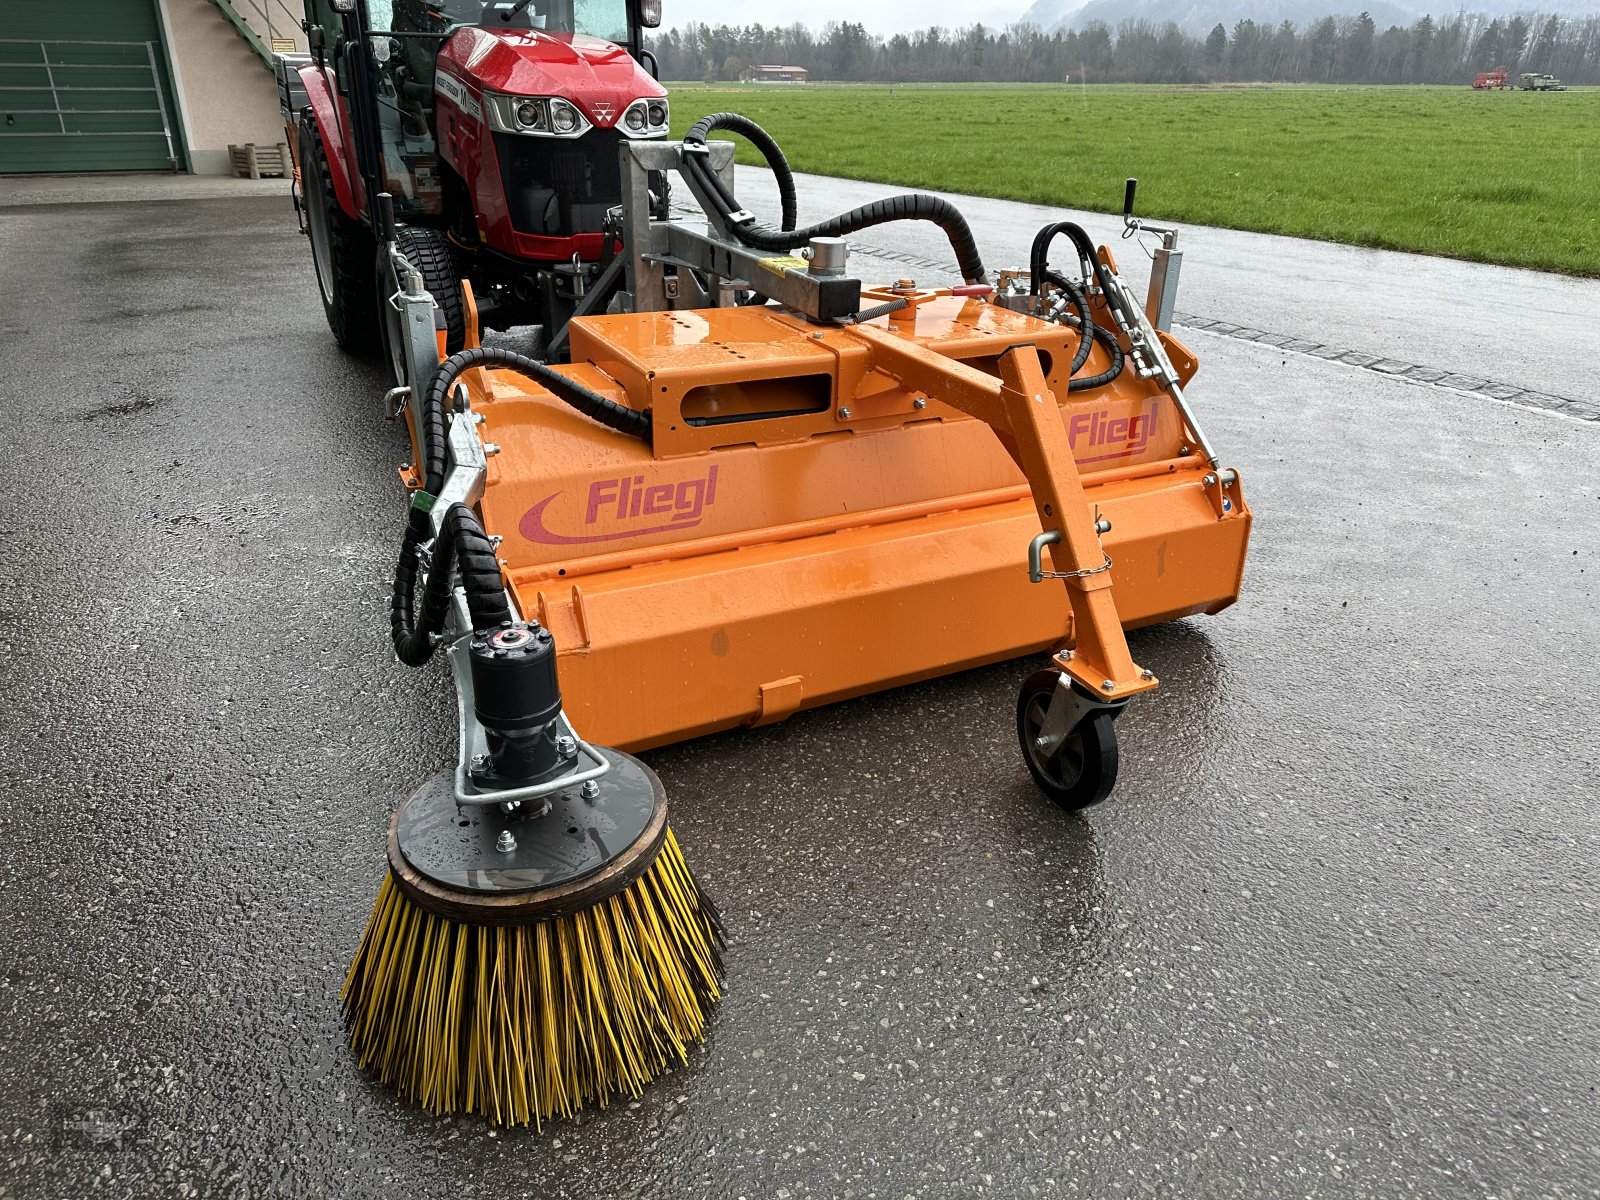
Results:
x,y
317,40
649,14
343,6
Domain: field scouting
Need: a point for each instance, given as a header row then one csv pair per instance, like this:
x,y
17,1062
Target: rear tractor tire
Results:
x,y
342,250
1083,769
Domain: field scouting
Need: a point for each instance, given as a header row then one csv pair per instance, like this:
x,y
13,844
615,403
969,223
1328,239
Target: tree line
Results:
x,y
1330,50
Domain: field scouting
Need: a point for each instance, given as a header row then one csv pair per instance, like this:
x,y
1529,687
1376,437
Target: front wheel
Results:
x,y
1083,769
429,251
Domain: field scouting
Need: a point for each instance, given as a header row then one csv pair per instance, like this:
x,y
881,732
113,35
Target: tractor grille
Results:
x,y
557,188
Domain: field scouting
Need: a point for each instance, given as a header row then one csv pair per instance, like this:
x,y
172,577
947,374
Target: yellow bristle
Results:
x,y
518,1024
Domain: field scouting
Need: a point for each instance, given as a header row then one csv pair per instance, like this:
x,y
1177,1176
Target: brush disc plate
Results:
x,y
448,858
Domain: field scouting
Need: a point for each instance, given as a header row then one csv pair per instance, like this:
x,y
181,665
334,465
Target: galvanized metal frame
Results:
x,y
699,252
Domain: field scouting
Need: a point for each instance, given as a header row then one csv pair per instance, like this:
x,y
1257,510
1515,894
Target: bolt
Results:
x,y
905,285
406,468
505,843
478,418
480,763
1108,686
495,540
1102,525
1042,742
1210,481
566,746
491,449
591,789
844,414
919,403
1147,674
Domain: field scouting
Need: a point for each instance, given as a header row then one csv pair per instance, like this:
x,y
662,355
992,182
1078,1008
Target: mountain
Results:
x,y
1050,15
1198,16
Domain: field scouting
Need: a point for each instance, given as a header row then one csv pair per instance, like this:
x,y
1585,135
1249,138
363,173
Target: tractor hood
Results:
x,y
600,78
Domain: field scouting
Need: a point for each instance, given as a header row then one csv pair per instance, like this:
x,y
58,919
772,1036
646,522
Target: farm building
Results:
x,y
775,75
141,85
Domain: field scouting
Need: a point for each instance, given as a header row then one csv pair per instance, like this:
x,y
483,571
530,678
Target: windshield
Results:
x,y
606,19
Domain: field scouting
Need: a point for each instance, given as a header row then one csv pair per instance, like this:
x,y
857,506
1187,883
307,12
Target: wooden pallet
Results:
x,y
261,162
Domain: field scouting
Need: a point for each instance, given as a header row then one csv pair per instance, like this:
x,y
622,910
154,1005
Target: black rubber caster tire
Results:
x,y
1083,770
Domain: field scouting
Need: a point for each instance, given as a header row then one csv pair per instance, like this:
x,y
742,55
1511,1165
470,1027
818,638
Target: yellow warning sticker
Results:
x,y
781,266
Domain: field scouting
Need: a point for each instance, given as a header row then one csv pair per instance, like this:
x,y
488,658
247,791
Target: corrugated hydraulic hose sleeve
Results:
x,y
591,404
1112,372
1080,305
463,546
762,141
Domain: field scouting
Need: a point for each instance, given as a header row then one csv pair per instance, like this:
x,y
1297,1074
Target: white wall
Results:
x,y
227,95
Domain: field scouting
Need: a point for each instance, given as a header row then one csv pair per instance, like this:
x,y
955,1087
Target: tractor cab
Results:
x,y
494,128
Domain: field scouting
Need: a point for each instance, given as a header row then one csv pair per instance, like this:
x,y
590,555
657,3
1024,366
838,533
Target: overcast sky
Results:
x,y
883,16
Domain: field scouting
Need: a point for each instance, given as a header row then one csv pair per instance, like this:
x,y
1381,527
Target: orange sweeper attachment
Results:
x,y
756,486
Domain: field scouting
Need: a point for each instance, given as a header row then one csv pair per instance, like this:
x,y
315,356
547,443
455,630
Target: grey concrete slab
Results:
x,y
17,191
1334,936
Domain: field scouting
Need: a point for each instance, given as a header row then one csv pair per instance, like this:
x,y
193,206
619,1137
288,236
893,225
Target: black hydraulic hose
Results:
x,y
462,550
591,404
909,207
763,142
1090,262
1080,241
1080,305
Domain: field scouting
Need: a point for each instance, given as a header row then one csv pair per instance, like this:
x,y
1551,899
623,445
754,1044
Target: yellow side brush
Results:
x,y
522,966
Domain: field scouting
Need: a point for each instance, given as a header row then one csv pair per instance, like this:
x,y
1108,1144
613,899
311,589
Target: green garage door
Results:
x,y
84,86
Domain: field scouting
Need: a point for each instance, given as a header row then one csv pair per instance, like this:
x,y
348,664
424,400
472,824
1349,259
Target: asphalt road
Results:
x,y
1335,936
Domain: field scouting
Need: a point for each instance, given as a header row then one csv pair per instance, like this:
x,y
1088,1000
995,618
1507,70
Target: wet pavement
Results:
x,y
1335,935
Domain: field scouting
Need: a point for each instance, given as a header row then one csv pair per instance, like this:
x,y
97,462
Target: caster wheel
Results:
x,y
1083,769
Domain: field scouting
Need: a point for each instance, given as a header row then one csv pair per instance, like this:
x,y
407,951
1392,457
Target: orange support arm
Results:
x,y
1024,413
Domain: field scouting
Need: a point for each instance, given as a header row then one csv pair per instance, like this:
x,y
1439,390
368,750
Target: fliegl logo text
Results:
x,y
629,506
1118,437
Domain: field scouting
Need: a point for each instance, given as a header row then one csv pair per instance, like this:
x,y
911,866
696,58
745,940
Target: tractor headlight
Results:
x,y
564,118
534,116
646,118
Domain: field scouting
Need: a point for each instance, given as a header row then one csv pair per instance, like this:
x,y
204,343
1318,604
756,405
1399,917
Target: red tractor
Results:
x,y
496,131
1498,79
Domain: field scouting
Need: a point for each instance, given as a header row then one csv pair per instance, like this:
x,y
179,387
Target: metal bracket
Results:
x,y
1166,269
472,741
464,482
1069,708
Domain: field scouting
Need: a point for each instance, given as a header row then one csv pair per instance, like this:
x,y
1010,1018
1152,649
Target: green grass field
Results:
x,y
1503,177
